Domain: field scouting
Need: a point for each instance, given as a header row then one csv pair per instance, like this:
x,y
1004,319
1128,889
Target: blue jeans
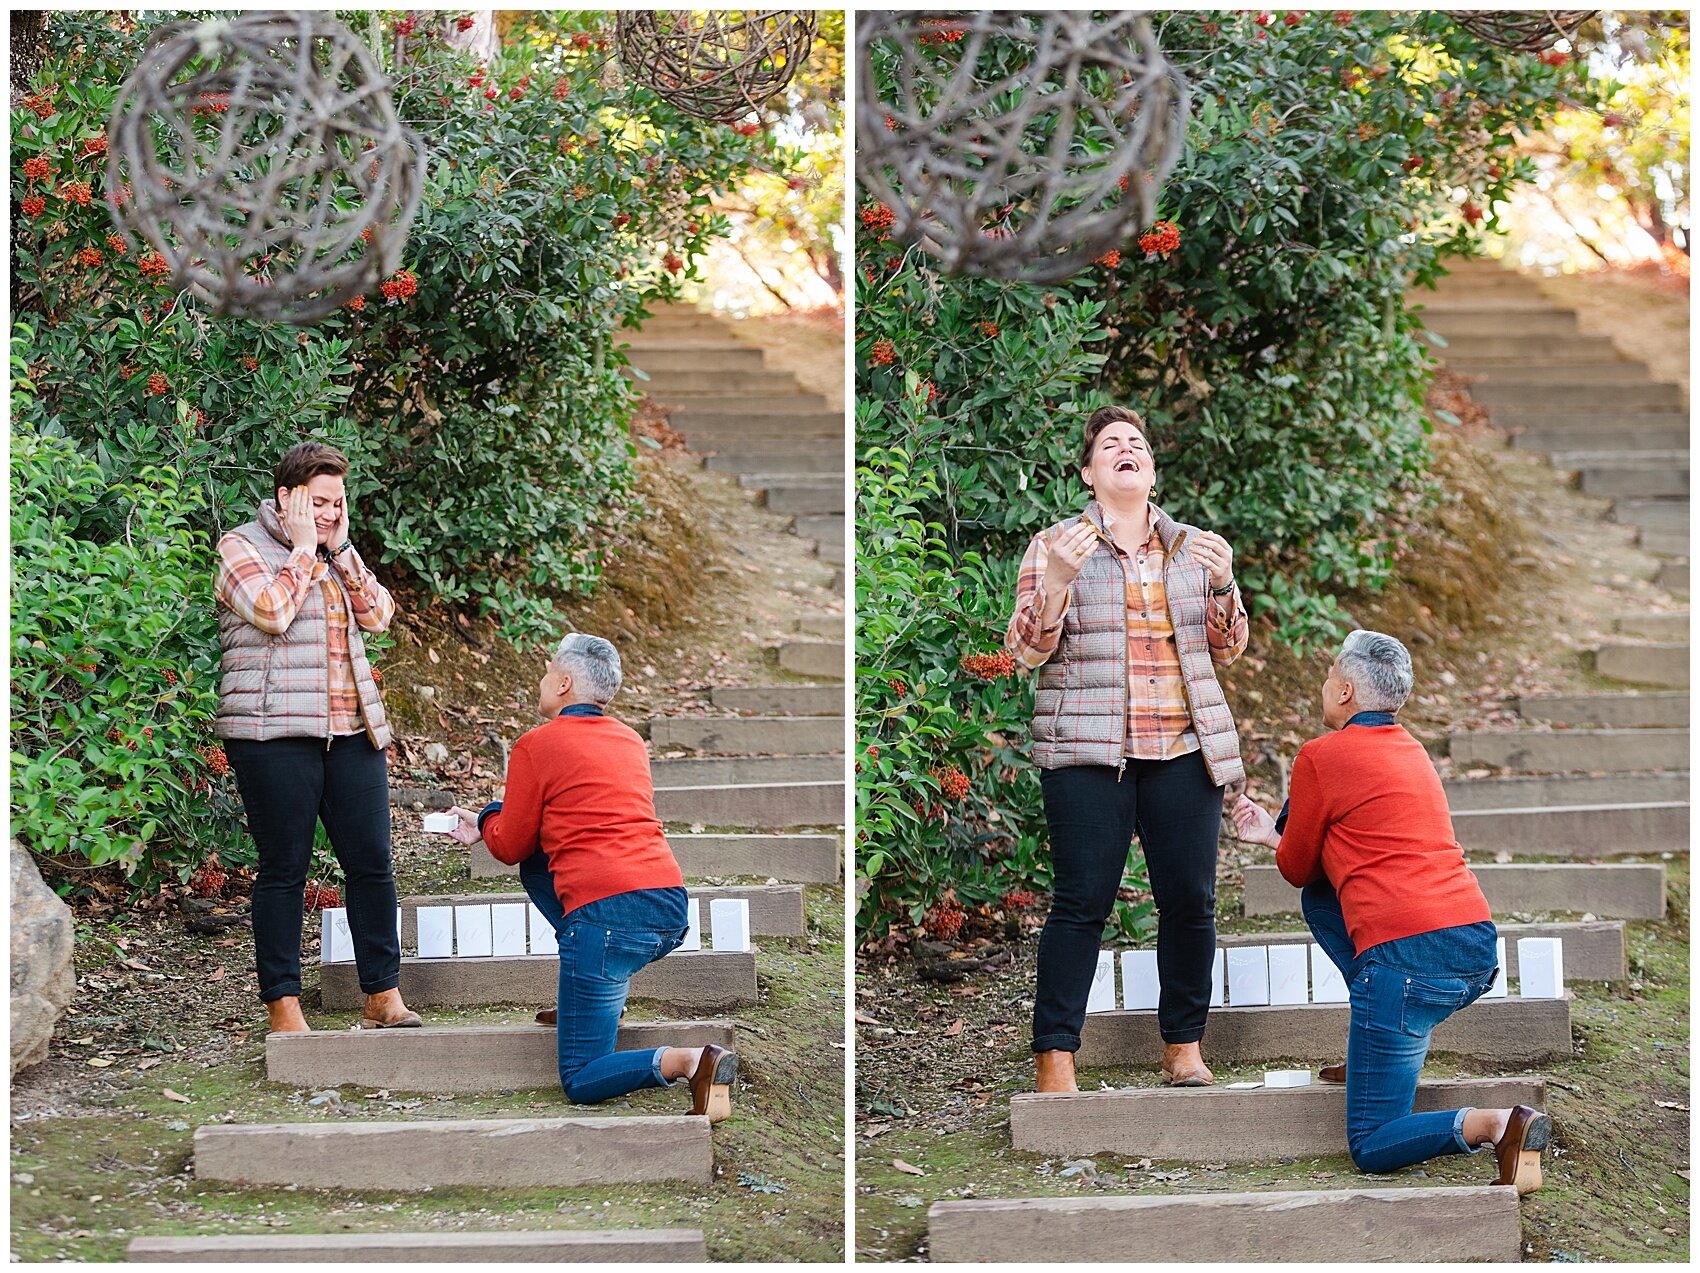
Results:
x,y
1399,990
603,944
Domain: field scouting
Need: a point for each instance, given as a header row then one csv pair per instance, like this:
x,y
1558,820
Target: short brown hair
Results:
x,y
1102,419
305,461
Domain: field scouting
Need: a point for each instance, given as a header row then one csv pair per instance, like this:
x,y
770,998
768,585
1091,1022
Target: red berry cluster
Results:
x,y
37,169
80,193
1294,18
952,781
116,244
1018,899
878,220
208,880
748,129
1552,57
1109,260
988,329
41,103
1472,213
318,896
672,263
153,266
95,145
377,677
884,353
407,26
465,24
158,384
1161,239
944,921
357,304
212,104
989,667
896,685
401,287
563,86
33,205
1343,17
216,760
251,364
943,32
621,220
89,257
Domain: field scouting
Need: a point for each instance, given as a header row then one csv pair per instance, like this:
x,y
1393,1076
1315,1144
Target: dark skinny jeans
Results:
x,y
287,785
1175,810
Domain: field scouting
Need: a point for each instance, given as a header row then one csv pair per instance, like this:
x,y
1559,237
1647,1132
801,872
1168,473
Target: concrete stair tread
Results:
x,y
709,771
1532,791
1221,1123
1535,749
1351,1226
1614,890
1575,830
1593,949
797,700
551,1246
749,735
812,658
1510,1032
1627,461
479,1153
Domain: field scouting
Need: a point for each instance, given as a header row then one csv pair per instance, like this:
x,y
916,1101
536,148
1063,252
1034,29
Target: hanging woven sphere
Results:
x,y
714,64
261,158
1016,145
1526,30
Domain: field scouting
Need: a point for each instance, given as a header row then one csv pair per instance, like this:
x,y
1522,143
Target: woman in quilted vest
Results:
x,y
1124,614
304,727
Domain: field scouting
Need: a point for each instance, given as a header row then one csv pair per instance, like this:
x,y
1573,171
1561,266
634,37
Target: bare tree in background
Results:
x,y
29,48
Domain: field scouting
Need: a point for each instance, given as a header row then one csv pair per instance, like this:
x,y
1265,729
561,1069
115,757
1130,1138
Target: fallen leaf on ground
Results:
x,y
907,1169
953,1029
100,1062
217,974
1671,1105
175,1096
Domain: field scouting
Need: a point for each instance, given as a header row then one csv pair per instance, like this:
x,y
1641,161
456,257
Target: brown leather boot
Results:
x,y
285,1016
712,1082
1056,1070
1183,1066
1332,1073
1527,1133
546,1016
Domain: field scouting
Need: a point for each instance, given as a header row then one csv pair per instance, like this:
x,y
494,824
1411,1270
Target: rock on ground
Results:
x,y
43,980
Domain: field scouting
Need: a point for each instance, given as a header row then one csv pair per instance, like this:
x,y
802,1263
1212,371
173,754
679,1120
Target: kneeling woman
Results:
x,y
1391,901
579,821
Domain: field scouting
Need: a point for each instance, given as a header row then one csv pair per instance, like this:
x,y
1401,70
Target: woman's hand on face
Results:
x,y
339,532
1068,551
1252,825
1216,556
297,513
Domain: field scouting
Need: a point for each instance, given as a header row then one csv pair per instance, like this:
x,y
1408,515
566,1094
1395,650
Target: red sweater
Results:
x,y
1366,810
579,789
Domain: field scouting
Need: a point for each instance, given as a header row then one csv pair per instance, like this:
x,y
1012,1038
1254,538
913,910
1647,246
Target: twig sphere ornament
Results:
x,y
1525,30
262,160
715,64
1016,145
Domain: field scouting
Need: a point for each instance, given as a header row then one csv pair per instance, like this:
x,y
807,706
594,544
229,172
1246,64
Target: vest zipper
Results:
x,y
1126,701
1186,687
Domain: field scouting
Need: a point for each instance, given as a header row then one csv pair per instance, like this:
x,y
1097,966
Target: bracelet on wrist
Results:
x,y
1225,590
346,545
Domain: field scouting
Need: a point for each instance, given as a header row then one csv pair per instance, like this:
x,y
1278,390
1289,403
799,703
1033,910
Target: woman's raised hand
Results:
x,y
1067,553
1216,556
298,522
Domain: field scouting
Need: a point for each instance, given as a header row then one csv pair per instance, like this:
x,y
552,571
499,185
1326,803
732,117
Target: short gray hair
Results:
x,y
1379,669
593,663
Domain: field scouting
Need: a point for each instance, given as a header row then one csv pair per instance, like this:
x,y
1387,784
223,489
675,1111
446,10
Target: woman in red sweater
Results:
x,y
1367,835
579,821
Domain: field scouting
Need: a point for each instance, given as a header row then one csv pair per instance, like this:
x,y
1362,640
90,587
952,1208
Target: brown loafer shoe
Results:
x,y
407,1021
711,1084
1055,1070
546,1016
1332,1073
1183,1066
1527,1133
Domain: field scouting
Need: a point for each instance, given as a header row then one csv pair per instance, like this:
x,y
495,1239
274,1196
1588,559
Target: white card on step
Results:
x,y
436,931
729,923
1289,974
1540,967
507,928
1248,976
1102,997
1139,979
1326,983
1218,979
336,943
1498,990
543,940
472,931
693,930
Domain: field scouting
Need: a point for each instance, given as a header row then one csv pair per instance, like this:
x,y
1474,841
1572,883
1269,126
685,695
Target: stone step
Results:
x,y
1593,949
826,527
1507,1032
750,735
1664,665
832,552
816,460
1615,890
1348,1226
1669,433
1673,577
777,405
1555,751
695,979
755,771
830,626
1654,627
1617,461
1663,543
711,427
1170,1124
689,357
1448,303
813,658
1580,831
498,1153
782,700
768,808
1548,370
458,1058
1667,480
1572,396
1539,792
1458,325
1510,348
776,910
1656,514
800,859
803,498
671,386
552,1246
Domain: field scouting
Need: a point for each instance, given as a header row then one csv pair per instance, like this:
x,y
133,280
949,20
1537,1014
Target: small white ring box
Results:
x,y
1286,1078
441,823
